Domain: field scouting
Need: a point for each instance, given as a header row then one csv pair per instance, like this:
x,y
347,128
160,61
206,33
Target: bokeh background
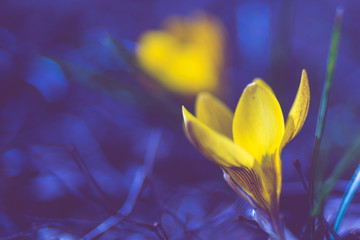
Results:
x,y
76,124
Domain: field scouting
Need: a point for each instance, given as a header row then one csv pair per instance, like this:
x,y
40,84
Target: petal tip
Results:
x,y
185,114
257,80
253,83
304,75
298,111
251,87
201,97
263,84
305,83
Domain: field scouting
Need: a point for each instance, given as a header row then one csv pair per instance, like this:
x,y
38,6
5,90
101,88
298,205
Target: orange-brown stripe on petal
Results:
x,y
248,180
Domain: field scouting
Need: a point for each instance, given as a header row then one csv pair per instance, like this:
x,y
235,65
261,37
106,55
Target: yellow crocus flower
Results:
x,y
187,56
247,144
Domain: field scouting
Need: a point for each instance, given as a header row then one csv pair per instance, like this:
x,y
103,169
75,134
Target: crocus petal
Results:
x,y
214,114
249,181
153,50
262,182
270,175
258,124
186,57
261,82
298,111
215,146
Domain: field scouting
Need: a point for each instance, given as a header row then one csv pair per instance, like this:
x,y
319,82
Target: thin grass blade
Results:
x,y
348,196
322,113
351,155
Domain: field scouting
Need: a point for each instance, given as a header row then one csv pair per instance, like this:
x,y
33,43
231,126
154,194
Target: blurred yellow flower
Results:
x,y
187,56
247,145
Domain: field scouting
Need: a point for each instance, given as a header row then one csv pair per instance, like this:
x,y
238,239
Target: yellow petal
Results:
x,y
298,111
216,147
270,175
261,82
201,29
262,182
186,57
250,183
214,114
258,124
153,52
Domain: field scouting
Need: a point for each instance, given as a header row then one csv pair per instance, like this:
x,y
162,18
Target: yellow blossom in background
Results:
x,y
247,144
187,56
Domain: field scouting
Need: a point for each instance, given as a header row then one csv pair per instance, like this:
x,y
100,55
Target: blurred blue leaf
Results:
x,y
46,75
12,162
76,132
53,234
95,58
7,40
46,187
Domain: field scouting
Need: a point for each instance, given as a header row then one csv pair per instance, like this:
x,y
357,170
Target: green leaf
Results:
x,y
321,118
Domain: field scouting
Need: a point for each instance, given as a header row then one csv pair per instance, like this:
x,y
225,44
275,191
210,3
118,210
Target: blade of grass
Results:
x,y
351,154
135,190
322,113
348,196
327,228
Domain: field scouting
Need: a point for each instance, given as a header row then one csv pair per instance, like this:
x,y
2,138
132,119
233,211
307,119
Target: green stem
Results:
x,y
322,114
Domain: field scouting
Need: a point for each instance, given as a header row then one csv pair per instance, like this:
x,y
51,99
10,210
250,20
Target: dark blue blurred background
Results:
x,y
67,100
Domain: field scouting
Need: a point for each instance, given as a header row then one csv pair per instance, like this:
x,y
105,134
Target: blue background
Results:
x,y
65,95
